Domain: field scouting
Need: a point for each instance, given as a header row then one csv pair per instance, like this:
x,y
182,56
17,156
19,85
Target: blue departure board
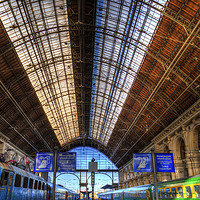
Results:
x,y
164,162
66,162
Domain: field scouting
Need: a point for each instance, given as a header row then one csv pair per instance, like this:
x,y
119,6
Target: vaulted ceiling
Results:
x,y
107,74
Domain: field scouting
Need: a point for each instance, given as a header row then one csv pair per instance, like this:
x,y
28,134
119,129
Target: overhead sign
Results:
x,y
66,162
142,162
92,167
43,162
164,162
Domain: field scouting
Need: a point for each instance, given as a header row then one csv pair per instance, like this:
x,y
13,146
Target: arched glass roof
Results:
x,y
40,34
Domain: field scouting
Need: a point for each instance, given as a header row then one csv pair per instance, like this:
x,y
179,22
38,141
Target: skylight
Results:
x,y
39,33
123,32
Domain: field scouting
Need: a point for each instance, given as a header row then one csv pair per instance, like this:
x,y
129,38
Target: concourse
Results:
x,y
114,83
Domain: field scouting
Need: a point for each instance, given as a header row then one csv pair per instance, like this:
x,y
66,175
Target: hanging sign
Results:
x,y
43,162
66,162
164,162
93,167
142,162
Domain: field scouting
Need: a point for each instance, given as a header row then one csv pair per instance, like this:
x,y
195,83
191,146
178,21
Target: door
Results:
x,y
10,186
6,185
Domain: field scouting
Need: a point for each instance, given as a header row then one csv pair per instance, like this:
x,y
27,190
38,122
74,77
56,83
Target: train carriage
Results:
x,y
183,189
17,184
139,192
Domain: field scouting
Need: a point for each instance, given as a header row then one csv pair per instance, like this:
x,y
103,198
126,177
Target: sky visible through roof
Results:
x,y
122,37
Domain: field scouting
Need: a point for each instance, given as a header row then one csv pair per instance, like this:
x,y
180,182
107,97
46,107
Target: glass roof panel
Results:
x,y
39,33
124,31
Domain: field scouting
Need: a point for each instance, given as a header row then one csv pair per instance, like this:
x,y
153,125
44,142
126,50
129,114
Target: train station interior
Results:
x,y
102,78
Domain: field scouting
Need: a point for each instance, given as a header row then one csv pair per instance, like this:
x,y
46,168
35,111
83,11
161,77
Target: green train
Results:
x,y
187,188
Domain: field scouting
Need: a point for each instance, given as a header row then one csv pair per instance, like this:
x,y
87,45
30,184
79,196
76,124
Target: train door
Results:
x,y
48,193
150,193
10,185
6,185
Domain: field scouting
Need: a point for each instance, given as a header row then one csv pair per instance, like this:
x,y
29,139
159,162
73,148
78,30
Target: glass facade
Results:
x,y
84,155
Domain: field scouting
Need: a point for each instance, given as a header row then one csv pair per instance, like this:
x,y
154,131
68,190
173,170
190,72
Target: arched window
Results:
x,y
182,149
84,155
183,157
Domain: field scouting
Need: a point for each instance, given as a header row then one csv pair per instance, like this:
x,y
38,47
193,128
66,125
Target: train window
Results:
x,y
25,184
4,178
142,194
39,185
167,193
36,183
154,194
159,193
148,193
162,193
173,192
43,186
197,191
180,192
145,194
188,192
30,183
17,180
